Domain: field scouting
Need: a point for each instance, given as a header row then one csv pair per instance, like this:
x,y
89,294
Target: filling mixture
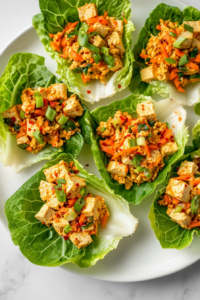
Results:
x,y
182,195
46,116
173,55
74,213
136,147
92,46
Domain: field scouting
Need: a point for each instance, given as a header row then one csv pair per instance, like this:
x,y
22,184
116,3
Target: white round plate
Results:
x,y
139,257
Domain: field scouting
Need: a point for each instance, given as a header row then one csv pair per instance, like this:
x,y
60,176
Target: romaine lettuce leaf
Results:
x,y
27,70
55,15
42,245
166,111
165,90
169,233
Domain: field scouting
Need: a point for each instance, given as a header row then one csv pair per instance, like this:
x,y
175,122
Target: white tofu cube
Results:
x,y
97,41
59,225
48,194
80,239
196,44
73,107
28,106
87,11
155,155
115,39
169,149
74,185
118,64
117,25
92,207
59,171
101,29
23,140
187,168
117,168
45,215
127,160
181,218
150,73
195,25
31,127
189,38
12,113
57,91
179,189
146,110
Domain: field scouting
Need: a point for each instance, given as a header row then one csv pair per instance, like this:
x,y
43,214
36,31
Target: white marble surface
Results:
x,y
20,280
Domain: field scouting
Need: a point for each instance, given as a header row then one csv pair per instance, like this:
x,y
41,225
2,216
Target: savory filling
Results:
x,y
173,55
92,46
73,212
182,195
46,116
136,147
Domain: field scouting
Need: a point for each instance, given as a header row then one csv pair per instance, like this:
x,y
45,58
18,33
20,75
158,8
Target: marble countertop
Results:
x,y
20,280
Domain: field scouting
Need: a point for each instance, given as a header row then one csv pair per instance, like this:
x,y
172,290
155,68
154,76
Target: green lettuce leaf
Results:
x,y
165,90
42,245
55,15
28,70
166,111
169,233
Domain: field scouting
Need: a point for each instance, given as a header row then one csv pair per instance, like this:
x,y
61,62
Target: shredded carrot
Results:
x,y
76,56
55,47
169,48
112,137
167,38
125,21
82,219
29,149
91,29
180,89
126,151
62,210
156,59
71,164
178,32
71,202
39,112
162,142
104,220
187,205
175,201
179,52
183,177
74,228
107,150
84,79
117,145
167,134
91,60
164,51
70,25
153,147
196,181
173,74
158,27
105,14
194,224
134,129
63,56
20,134
192,66
143,55
51,35
106,142
197,59
55,139
92,232
167,199
147,150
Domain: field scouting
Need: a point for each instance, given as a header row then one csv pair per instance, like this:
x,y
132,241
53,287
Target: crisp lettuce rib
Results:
x,y
42,245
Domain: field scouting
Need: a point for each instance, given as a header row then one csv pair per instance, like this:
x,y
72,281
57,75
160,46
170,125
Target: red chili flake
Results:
x,y
89,92
87,52
69,195
45,101
105,84
69,173
77,184
52,104
130,157
185,185
104,144
106,165
13,119
65,237
87,165
177,169
60,189
100,20
29,129
76,172
122,118
31,122
41,129
53,188
63,105
119,86
128,135
120,162
56,174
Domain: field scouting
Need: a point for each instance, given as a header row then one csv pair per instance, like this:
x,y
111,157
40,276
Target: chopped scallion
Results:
x,y
60,181
178,209
92,48
83,38
104,50
60,194
184,60
147,173
50,113
23,146
170,60
132,143
147,59
188,28
67,229
195,203
22,114
38,136
83,192
79,205
129,129
179,42
109,60
194,53
97,58
70,216
172,34
137,160
39,101
103,128
63,119
84,27
141,141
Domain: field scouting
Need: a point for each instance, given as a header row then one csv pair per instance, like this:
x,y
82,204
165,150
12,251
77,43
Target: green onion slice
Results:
x,y
38,136
188,28
105,50
103,128
60,194
86,226
151,123
137,160
23,146
22,114
50,113
39,101
83,38
194,53
116,123
178,42
147,173
97,58
170,60
195,204
178,209
129,129
79,205
83,192
84,27
109,60
60,181
184,60
141,141
132,143
67,229
70,216
63,119
92,48
172,34
147,59
142,127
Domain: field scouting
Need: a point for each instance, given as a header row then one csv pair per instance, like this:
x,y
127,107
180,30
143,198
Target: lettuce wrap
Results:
x,y
165,90
53,18
42,245
28,70
166,111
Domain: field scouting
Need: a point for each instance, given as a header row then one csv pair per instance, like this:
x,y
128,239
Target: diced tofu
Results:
x,y
80,239
45,215
101,29
28,106
117,25
146,110
73,107
118,64
127,160
195,25
74,185
196,44
59,171
179,189
155,156
116,168
59,225
23,140
188,168
92,207
181,218
31,127
12,113
116,40
97,41
149,73
169,149
87,11
189,38
57,91
47,194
